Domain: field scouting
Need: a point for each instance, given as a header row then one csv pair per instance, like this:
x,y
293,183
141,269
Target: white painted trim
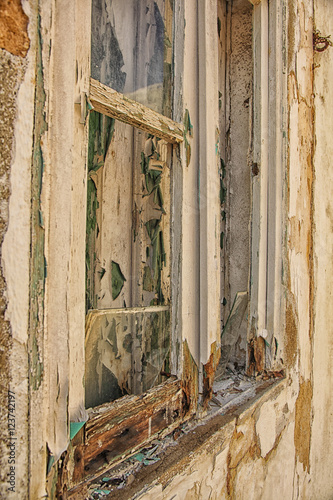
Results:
x,y
264,161
209,203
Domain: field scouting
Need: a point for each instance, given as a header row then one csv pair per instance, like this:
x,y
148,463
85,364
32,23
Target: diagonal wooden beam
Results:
x,y
112,103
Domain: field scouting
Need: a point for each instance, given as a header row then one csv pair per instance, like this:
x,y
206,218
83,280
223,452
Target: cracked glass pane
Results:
x,y
131,49
127,352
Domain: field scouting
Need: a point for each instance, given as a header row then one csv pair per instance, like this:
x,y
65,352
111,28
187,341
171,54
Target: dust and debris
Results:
x,y
234,387
123,475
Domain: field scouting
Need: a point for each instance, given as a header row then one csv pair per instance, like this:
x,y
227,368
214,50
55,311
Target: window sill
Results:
x,y
162,460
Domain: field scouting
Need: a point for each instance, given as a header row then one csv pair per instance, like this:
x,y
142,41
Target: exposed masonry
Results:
x,y
12,69
13,28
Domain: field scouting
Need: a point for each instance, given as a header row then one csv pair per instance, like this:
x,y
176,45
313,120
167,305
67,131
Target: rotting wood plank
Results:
x,y
118,429
111,103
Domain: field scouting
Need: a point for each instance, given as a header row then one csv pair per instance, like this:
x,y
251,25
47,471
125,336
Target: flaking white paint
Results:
x,y
266,428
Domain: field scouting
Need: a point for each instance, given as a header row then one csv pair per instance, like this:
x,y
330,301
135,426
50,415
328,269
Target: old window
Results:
x,y
128,266
152,258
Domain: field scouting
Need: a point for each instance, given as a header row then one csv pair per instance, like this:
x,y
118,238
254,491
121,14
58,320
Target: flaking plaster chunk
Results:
x,y
266,428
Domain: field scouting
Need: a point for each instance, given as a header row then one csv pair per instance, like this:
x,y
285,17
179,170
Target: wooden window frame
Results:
x,y
131,421
164,407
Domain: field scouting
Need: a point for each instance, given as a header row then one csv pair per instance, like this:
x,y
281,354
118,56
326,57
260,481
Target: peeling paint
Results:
x,y
209,370
303,421
190,381
290,349
37,266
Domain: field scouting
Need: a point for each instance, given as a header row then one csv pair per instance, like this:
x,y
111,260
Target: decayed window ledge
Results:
x,y
161,460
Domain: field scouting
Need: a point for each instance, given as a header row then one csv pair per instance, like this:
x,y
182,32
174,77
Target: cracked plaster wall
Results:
x,y
16,111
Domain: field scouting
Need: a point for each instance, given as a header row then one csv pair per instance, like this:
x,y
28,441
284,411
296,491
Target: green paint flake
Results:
x,y
102,272
128,343
37,367
101,129
188,132
74,428
117,280
188,127
223,189
219,26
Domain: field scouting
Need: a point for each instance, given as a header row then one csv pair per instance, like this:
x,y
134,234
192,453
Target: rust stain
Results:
x,y
209,373
291,32
302,436
291,335
189,382
14,28
256,356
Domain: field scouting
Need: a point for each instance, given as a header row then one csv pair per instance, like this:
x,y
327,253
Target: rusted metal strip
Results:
x,y
112,103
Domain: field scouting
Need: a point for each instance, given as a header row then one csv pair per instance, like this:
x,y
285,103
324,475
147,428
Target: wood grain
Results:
x,y
112,103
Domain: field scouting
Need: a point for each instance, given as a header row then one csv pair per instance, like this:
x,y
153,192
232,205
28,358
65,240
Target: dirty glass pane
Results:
x,y
127,260
128,217
131,49
127,352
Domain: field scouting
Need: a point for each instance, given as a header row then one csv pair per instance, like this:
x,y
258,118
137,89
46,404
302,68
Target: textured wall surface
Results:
x,y
14,43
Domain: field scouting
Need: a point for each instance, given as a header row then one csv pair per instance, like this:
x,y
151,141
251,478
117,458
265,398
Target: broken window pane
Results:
x,y
127,259
131,49
232,340
127,352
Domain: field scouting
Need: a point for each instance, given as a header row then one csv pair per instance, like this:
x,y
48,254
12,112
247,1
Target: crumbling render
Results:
x,y
14,28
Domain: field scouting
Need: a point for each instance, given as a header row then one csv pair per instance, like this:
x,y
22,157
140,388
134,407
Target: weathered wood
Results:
x,y
118,429
112,103
190,380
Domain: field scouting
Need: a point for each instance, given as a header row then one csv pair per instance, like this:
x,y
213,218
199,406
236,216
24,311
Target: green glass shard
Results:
x,y
74,428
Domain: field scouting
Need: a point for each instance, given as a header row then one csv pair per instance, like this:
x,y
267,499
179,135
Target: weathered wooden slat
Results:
x,y
123,426
112,103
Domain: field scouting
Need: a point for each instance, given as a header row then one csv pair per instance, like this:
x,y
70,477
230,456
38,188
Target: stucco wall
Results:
x,y
16,111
